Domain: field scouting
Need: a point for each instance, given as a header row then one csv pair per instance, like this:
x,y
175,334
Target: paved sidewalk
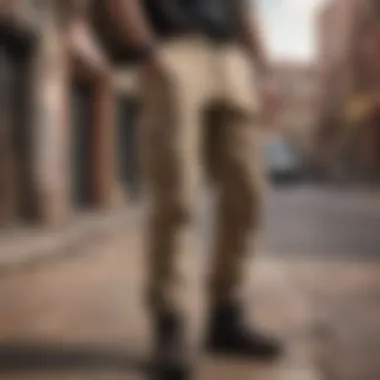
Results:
x,y
22,247
83,318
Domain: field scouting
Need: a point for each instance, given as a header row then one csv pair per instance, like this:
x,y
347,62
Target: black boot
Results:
x,y
171,359
228,336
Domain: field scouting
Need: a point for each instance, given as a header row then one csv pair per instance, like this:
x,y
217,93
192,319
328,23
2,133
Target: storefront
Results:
x,y
362,139
58,113
16,183
127,149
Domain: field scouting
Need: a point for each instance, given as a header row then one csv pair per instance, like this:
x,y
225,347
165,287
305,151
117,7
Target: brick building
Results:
x,y
348,33
58,131
297,84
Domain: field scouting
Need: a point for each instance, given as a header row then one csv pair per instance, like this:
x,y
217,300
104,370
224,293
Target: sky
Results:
x,y
289,27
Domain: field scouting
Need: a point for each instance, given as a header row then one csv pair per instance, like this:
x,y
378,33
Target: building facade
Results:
x,y
297,85
58,115
19,29
348,75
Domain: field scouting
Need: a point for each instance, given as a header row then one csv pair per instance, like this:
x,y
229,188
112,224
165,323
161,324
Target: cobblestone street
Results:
x,y
83,317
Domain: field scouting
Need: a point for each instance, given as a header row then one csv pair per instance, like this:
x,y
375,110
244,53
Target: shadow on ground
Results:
x,y
32,356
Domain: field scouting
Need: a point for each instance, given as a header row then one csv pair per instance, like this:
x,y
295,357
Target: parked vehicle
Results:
x,y
285,164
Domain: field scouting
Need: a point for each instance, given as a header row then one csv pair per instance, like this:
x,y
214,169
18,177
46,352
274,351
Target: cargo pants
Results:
x,y
199,117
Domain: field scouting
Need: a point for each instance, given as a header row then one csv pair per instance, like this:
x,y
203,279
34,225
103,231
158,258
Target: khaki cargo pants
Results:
x,y
198,117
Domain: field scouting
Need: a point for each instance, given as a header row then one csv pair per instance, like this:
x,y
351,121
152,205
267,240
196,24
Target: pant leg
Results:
x,y
171,104
236,165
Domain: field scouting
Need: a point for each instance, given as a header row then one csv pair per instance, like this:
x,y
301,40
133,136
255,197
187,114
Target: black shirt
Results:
x,y
215,19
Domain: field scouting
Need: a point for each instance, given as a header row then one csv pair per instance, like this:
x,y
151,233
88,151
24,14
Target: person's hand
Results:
x,y
85,50
150,61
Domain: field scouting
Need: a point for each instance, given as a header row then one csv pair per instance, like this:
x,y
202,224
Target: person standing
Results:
x,y
203,76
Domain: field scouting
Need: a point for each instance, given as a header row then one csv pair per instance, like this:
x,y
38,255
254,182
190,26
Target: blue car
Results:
x,y
283,162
